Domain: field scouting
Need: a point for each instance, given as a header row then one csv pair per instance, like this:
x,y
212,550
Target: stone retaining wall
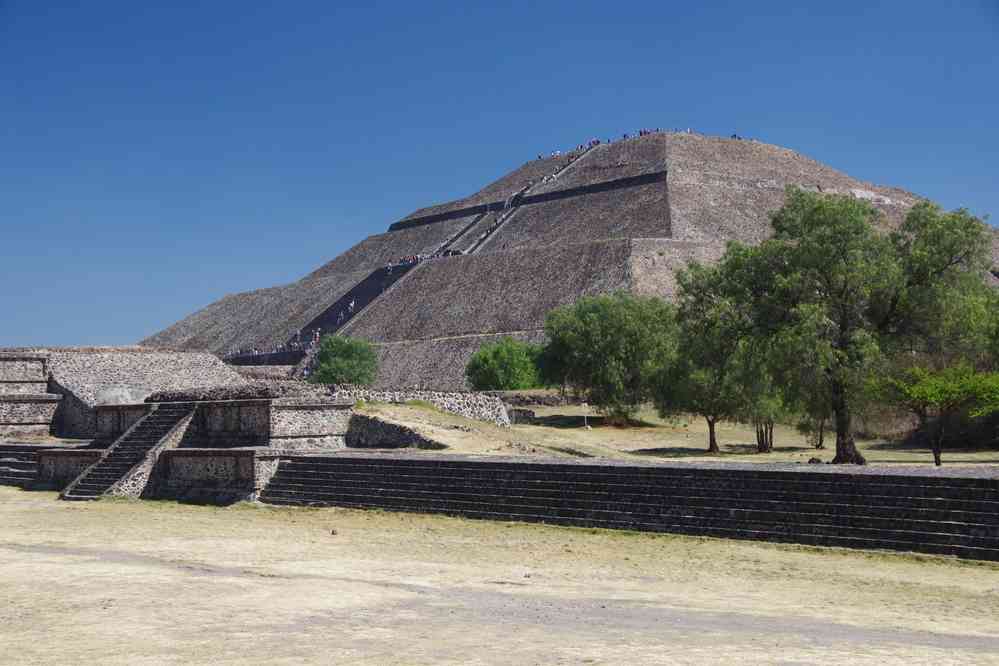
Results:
x,y
478,406
114,420
229,423
27,414
369,432
57,469
17,367
209,476
297,424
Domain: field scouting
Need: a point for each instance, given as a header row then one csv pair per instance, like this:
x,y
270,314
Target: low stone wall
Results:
x,y
27,414
210,475
57,469
114,420
478,406
369,432
229,423
297,424
19,367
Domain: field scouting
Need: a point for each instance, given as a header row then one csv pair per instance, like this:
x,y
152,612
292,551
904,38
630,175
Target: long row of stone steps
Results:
x,y
948,516
127,451
18,464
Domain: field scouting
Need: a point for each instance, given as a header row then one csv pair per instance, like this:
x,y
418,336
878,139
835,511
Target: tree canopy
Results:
x,y
506,365
832,282
611,348
345,360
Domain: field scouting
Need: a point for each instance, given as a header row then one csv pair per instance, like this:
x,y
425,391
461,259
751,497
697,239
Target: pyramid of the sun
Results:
x,y
625,215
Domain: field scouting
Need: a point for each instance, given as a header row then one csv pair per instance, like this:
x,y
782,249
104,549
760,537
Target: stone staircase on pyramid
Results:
x,y
131,453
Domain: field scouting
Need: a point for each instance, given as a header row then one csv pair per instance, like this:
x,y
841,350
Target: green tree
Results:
x,y
345,360
830,280
708,377
506,365
938,396
610,348
764,400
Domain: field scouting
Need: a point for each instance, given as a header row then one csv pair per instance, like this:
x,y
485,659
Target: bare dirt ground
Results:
x,y
563,432
161,583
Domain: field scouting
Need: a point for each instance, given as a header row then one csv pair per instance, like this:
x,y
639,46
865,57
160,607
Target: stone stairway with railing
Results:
x,y
928,514
128,451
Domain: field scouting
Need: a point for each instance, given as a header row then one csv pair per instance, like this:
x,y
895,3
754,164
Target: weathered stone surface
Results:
x,y
17,367
318,419
209,476
492,293
436,364
478,406
57,469
626,215
134,482
256,390
371,432
21,410
725,189
114,420
632,212
92,375
88,377
23,388
654,263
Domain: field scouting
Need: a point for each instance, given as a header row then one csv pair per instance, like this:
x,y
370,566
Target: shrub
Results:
x,y
507,365
610,347
344,360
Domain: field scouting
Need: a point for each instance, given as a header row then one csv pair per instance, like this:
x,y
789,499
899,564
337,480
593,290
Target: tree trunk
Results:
x,y
712,440
846,447
938,441
764,437
821,442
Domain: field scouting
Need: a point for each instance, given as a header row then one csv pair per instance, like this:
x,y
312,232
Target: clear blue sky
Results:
x,y
153,160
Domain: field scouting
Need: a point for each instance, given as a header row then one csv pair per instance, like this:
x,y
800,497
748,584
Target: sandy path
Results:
x,y
120,582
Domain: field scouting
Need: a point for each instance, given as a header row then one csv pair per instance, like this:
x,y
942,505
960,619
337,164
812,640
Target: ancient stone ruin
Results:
x,y
622,215
170,419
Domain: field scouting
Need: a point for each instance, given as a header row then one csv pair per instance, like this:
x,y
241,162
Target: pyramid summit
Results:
x,y
448,278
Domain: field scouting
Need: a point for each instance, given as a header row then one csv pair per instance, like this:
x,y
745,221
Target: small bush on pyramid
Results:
x,y
344,360
507,365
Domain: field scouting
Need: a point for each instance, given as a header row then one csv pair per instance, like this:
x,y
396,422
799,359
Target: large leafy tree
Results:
x,y
345,360
610,348
708,375
830,281
506,365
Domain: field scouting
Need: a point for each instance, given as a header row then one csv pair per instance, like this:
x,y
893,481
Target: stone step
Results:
x,y
648,475
912,540
842,541
742,491
29,465
908,488
15,479
930,531
721,501
622,470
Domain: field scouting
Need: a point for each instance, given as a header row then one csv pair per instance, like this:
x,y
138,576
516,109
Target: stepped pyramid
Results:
x,y
623,215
